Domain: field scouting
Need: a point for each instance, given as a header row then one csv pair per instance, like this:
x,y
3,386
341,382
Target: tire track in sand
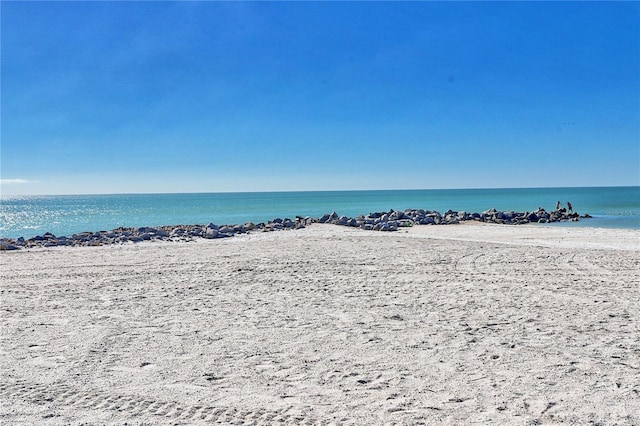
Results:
x,y
133,407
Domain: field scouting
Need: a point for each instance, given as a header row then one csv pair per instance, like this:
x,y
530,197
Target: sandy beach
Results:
x,y
459,324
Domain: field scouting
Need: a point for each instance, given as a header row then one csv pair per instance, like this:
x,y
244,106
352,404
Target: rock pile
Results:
x,y
160,233
392,220
378,221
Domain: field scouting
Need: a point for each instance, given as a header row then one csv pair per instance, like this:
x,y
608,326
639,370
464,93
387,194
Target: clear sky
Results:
x,y
111,97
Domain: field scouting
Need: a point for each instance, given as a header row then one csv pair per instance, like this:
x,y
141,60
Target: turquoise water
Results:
x,y
612,207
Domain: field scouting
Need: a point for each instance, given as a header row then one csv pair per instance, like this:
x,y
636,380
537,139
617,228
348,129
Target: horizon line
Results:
x,y
317,190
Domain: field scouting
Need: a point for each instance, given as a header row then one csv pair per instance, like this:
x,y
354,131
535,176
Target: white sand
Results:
x,y
437,325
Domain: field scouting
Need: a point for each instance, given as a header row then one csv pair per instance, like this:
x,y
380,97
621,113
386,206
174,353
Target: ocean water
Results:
x,y
612,207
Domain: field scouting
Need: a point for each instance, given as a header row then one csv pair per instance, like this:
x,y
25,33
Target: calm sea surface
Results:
x,y
612,207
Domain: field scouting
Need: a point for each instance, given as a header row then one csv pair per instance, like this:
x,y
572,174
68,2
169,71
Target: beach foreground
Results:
x,y
453,324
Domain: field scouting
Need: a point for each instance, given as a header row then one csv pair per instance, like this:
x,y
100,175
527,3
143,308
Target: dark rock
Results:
x,y
324,219
8,247
161,234
388,227
146,229
288,223
342,220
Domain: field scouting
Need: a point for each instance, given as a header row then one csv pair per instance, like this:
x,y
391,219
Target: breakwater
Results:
x,y
377,221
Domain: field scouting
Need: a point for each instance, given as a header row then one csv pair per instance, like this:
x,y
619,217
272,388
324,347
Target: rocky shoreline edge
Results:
x,y
377,221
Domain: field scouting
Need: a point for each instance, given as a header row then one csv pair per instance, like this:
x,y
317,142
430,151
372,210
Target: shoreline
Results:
x,y
65,215
475,232
377,221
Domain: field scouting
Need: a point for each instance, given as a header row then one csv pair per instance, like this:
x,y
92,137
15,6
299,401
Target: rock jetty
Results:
x,y
378,221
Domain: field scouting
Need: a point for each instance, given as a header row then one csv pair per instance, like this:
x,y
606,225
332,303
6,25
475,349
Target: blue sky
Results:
x,y
111,97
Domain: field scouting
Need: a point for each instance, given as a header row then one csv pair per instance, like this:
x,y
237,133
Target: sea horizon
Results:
x,y
278,191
